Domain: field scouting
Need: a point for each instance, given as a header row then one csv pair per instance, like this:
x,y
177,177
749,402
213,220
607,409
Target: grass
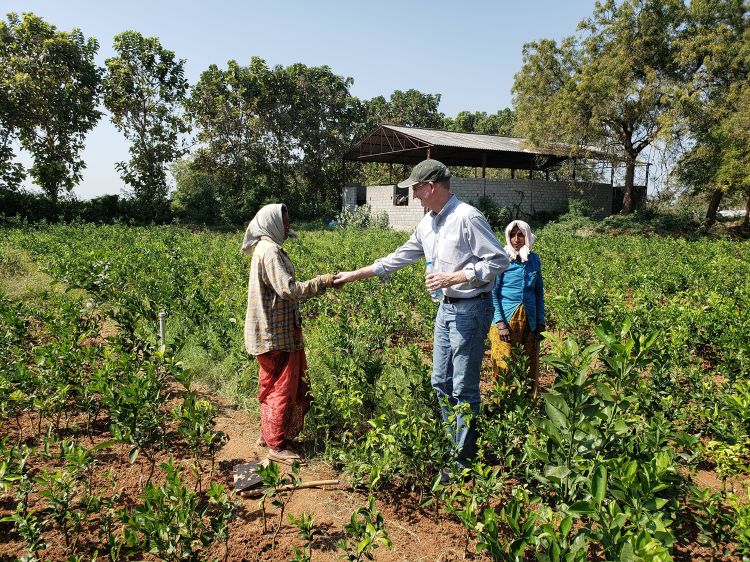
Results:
x,y
235,376
22,278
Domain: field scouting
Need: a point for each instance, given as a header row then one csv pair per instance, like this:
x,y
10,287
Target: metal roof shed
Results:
x,y
410,145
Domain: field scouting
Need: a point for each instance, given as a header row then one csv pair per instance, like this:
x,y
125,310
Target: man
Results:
x,y
466,257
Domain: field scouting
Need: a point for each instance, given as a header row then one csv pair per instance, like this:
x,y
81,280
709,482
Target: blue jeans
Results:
x,y
460,332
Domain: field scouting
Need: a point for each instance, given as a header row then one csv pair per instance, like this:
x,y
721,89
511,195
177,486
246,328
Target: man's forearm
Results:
x,y
362,273
348,276
444,280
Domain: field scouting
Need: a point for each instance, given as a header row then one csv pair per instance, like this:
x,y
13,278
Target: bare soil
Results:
x,y
416,534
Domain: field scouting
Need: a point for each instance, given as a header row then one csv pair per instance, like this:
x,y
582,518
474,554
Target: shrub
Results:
x,y
496,215
362,217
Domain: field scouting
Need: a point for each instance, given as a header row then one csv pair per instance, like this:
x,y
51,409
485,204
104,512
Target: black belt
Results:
x,y
454,300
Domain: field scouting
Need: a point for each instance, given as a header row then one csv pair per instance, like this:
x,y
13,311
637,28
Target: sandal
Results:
x,y
285,456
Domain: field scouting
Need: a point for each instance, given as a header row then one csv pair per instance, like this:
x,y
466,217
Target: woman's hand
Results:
x,y
503,331
539,329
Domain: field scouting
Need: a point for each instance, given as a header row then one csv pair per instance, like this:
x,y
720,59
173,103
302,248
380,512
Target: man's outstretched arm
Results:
x,y
344,277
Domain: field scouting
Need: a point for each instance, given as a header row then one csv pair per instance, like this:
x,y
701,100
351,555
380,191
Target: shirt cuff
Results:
x,y
471,276
378,269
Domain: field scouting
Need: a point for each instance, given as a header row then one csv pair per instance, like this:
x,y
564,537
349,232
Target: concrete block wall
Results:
x,y
533,196
530,196
349,195
400,217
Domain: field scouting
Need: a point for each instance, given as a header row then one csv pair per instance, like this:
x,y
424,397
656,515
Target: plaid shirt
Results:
x,y
273,320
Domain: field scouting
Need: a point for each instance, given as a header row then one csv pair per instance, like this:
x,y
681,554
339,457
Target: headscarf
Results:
x,y
530,239
268,222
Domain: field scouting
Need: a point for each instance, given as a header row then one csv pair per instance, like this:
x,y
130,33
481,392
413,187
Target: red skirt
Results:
x,y
283,394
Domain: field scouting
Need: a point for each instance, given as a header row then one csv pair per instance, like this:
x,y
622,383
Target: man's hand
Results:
x,y
342,278
442,280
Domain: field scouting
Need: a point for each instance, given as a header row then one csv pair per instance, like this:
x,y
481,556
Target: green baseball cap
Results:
x,y
427,170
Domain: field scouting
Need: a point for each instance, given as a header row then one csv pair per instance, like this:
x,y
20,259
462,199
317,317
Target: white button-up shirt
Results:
x,y
458,238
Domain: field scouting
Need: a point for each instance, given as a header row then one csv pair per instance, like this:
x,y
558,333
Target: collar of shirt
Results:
x,y
439,218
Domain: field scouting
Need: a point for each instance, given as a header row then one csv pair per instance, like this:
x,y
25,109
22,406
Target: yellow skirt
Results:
x,y
520,334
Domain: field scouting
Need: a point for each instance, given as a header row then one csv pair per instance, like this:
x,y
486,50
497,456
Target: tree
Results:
x,y
144,87
52,89
500,123
324,117
197,196
609,85
714,100
223,108
11,111
273,134
411,108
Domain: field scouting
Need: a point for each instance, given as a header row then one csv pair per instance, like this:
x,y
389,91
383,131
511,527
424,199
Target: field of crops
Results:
x,y
638,448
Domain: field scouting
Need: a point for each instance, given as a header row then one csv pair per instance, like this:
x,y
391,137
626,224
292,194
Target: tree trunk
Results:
x,y
746,220
627,195
713,207
53,194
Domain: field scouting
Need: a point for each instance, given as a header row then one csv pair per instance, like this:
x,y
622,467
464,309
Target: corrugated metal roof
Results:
x,y
465,140
410,145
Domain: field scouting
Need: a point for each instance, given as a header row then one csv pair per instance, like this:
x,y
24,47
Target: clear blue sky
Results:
x,y
467,51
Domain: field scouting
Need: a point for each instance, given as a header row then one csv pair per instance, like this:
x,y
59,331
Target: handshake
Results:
x,y
344,277
340,279
433,281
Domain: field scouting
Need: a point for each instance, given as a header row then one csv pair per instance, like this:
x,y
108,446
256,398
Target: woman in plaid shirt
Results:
x,y
273,330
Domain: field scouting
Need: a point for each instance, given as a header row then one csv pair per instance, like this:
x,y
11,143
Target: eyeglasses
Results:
x,y
417,186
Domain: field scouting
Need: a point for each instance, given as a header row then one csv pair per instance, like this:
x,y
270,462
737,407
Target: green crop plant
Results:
x,y
197,419
364,532
710,515
307,532
174,522
134,403
12,464
31,530
557,541
61,490
468,502
729,459
662,379
278,488
507,411
507,534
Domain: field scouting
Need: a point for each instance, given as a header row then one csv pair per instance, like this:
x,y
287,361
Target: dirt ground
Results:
x,y
416,535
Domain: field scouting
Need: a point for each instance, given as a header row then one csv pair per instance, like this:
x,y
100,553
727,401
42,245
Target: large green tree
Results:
x,y
410,108
610,85
715,56
223,108
144,87
51,89
273,134
12,108
325,115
